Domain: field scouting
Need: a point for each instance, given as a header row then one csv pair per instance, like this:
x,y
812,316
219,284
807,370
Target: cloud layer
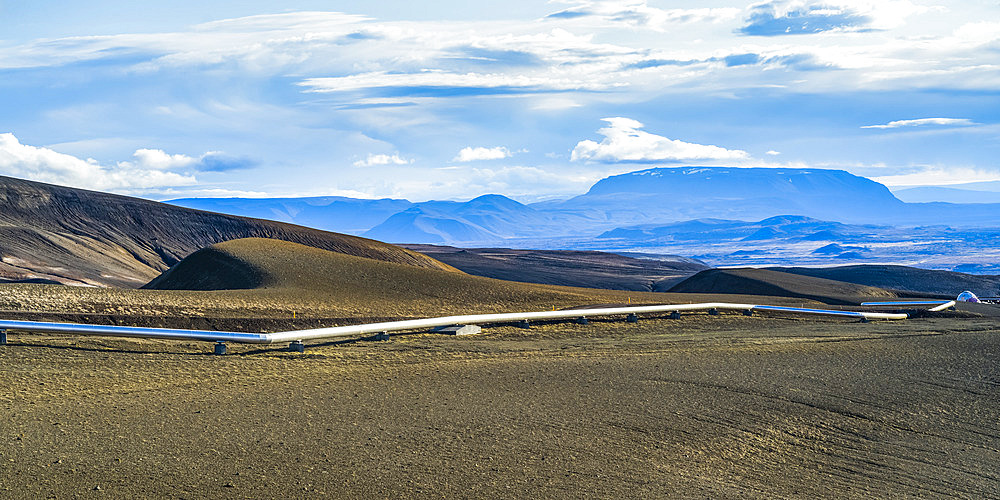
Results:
x,y
310,95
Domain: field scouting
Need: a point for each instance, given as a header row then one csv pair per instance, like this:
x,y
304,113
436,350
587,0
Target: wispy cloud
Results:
x,y
920,122
639,13
443,83
480,153
382,159
625,142
799,17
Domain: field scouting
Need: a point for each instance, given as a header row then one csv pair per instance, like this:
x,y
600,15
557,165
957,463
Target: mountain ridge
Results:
x,y
659,195
81,237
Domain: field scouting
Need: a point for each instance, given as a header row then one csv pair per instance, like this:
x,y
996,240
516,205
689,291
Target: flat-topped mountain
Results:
x,y
672,194
81,237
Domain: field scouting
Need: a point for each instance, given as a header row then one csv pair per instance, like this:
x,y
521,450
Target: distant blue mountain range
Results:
x,y
646,198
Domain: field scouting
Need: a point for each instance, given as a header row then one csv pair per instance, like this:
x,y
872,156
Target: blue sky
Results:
x,y
456,99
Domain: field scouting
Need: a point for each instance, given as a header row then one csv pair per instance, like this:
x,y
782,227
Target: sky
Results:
x,y
451,100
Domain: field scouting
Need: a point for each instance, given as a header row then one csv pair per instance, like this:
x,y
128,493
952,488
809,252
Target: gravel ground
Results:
x,y
720,407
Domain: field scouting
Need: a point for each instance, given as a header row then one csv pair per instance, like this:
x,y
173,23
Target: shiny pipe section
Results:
x,y
134,331
413,324
940,305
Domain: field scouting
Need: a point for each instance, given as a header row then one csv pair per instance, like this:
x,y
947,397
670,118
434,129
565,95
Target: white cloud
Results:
x,y
623,141
480,154
45,165
779,17
773,153
947,122
157,159
380,159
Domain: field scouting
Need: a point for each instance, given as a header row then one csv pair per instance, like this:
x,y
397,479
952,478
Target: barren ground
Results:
x,y
704,406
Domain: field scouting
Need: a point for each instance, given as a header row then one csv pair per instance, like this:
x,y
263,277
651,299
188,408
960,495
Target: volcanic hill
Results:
x,y
81,237
281,268
746,281
948,284
589,269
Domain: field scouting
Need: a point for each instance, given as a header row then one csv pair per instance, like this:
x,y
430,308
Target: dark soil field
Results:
x,y
721,407
706,406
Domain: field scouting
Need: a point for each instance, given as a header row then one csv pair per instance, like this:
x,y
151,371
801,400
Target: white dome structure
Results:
x,y
967,296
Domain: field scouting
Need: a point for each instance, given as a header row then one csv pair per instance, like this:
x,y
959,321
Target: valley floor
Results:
x,y
705,406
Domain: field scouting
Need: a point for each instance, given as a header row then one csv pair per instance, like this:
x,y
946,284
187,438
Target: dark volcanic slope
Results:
x,y
87,237
564,267
906,278
746,281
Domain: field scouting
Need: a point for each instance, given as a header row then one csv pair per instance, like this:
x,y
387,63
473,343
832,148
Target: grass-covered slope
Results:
x,y
84,237
747,281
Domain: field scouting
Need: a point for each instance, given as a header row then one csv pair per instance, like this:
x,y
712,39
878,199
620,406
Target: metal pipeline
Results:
x,y
412,324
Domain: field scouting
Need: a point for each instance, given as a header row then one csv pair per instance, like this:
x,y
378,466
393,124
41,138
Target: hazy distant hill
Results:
x,y
488,218
329,213
85,237
786,227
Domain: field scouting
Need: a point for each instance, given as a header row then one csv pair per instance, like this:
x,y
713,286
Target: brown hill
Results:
x,y
272,268
746,281
946,284
75,236
567,267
